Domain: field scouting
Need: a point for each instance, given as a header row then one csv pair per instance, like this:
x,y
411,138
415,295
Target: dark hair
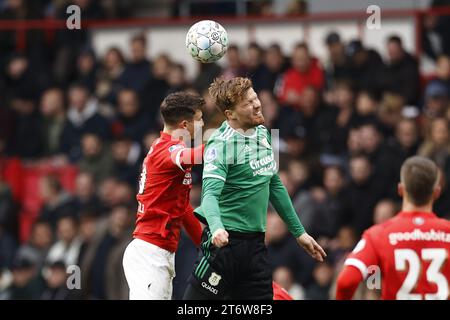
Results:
x,y
140,37
80,86
396,39
118,52
234,47
179,106
256,46
419,176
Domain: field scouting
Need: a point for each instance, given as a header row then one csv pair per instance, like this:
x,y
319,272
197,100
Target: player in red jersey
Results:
x,y
411,249
163,200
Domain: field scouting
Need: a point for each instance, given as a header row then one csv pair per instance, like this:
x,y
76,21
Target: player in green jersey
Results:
x,y
239,179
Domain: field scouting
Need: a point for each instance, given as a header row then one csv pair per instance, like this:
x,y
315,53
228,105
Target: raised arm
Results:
x,y
187,157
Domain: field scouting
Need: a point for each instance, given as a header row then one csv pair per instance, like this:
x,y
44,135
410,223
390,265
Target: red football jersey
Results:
x,y
163,197
411,251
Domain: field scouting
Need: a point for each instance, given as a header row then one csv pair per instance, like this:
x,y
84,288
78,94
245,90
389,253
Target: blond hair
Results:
x,y
227,93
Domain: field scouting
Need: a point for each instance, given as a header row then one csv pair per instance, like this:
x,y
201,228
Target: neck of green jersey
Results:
x,y
253,135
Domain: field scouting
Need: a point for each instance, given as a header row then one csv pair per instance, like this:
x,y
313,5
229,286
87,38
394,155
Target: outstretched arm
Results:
x,y
187,157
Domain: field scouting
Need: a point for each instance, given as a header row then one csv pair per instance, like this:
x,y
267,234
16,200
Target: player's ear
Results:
x,y
400,189
183,124
437,192
230,114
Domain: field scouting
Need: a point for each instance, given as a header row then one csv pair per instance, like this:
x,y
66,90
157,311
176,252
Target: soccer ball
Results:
x,y
207,41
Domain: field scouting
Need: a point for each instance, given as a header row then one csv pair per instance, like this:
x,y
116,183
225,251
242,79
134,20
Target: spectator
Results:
x,y
211,115
443,70
110,76
281,247
131,121
366,66
86,69
328,219
26,284
367,105
384,210
405,143
56,283
234,66
305,71
155,90
312,118
68,244
384,165
113,193
257,70
337,119
138,71
364,193
389,113
402,73
97,158
69,41
126,160
342,245
88,227
437,96
308,204
23,78
270,108
337,65
83,117
104,277
36,249
276,63
56,201
319,290
206,74
86,199
176,78
283,276
54,116
27,124
432,37
437,144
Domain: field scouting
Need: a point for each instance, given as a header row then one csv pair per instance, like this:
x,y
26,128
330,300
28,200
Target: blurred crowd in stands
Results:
x,y
346,125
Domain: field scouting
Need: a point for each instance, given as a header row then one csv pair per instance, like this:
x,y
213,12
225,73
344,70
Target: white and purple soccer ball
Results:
x,y
207,41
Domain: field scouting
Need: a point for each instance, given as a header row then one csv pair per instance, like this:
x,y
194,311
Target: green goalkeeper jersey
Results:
x,y
239,178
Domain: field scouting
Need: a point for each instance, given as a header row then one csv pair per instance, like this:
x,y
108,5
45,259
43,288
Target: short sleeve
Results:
x,y
363,255
175,154
215,164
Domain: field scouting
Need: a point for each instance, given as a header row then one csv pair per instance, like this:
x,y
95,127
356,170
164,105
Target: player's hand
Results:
x,y
220,238
311,246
